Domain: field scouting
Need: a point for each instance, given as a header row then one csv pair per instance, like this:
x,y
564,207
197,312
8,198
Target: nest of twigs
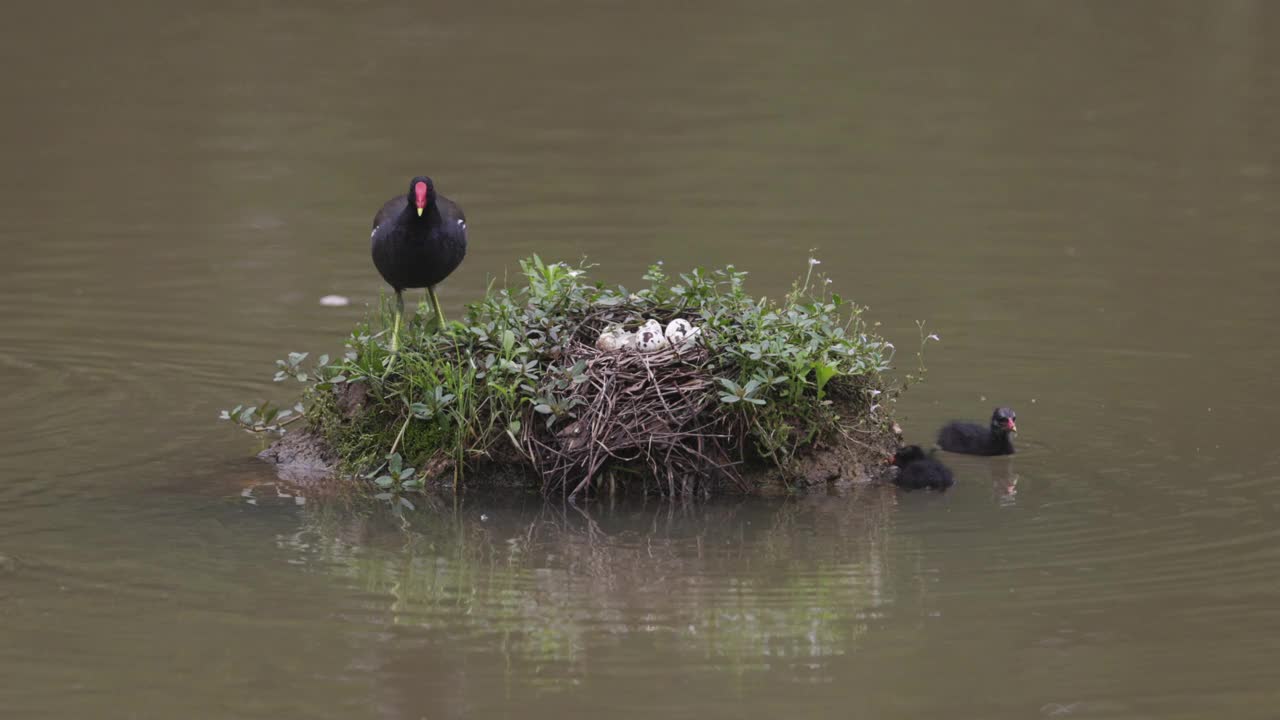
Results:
x,y
780,391
653,413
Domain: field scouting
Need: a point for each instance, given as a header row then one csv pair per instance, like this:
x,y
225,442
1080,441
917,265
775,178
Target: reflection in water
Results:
x,y
1004,480
739,583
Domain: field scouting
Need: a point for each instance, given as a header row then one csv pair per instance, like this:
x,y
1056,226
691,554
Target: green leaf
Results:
x,y
384,481
543,408
324,360
405,502
508,341
823,373
394,463
731,386
383,496
406,474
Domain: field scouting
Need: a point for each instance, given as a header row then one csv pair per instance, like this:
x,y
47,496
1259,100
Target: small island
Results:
x,y
549,383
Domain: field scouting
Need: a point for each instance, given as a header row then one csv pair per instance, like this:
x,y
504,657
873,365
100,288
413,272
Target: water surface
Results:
x,y
1080,198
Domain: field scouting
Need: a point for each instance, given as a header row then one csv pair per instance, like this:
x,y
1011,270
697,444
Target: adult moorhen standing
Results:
x,y
418,239
974,439
917,471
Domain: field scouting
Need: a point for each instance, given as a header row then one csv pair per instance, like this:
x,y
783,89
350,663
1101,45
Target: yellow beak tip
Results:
x,y
419,212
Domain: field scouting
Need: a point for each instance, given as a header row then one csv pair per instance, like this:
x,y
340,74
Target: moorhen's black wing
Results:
x,y
390,209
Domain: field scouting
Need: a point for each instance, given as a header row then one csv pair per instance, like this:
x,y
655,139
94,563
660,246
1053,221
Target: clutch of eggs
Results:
x,y
651,337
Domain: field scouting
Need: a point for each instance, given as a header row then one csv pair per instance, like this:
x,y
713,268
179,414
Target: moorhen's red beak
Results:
x,y
420,197
1012,426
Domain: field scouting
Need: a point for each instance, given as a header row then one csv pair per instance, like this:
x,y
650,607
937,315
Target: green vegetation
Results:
x,y
521,383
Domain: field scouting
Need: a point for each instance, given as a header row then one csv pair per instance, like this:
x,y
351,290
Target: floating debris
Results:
x,y
335,301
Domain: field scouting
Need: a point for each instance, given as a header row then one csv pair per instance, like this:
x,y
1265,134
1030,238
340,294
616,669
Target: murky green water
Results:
x,y
1081,198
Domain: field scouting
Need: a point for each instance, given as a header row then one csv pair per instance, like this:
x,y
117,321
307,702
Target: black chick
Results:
x,y
917,471
974,439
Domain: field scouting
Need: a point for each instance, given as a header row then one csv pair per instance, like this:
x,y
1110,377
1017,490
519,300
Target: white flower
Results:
x,y
815,261
934,336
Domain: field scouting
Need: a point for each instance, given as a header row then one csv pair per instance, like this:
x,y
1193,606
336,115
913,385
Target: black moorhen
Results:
x,y
917,471
418,239
974,439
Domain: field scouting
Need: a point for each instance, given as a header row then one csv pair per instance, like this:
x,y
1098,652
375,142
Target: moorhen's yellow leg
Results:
x,y
435,306
395,332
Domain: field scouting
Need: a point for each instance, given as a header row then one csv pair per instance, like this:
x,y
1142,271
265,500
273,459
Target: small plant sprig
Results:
x,y
321,372
397,479
291,367
733,392
264,418
921,370
269,418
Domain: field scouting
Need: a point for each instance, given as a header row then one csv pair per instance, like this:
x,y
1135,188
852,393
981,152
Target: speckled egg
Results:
x,y
650,338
